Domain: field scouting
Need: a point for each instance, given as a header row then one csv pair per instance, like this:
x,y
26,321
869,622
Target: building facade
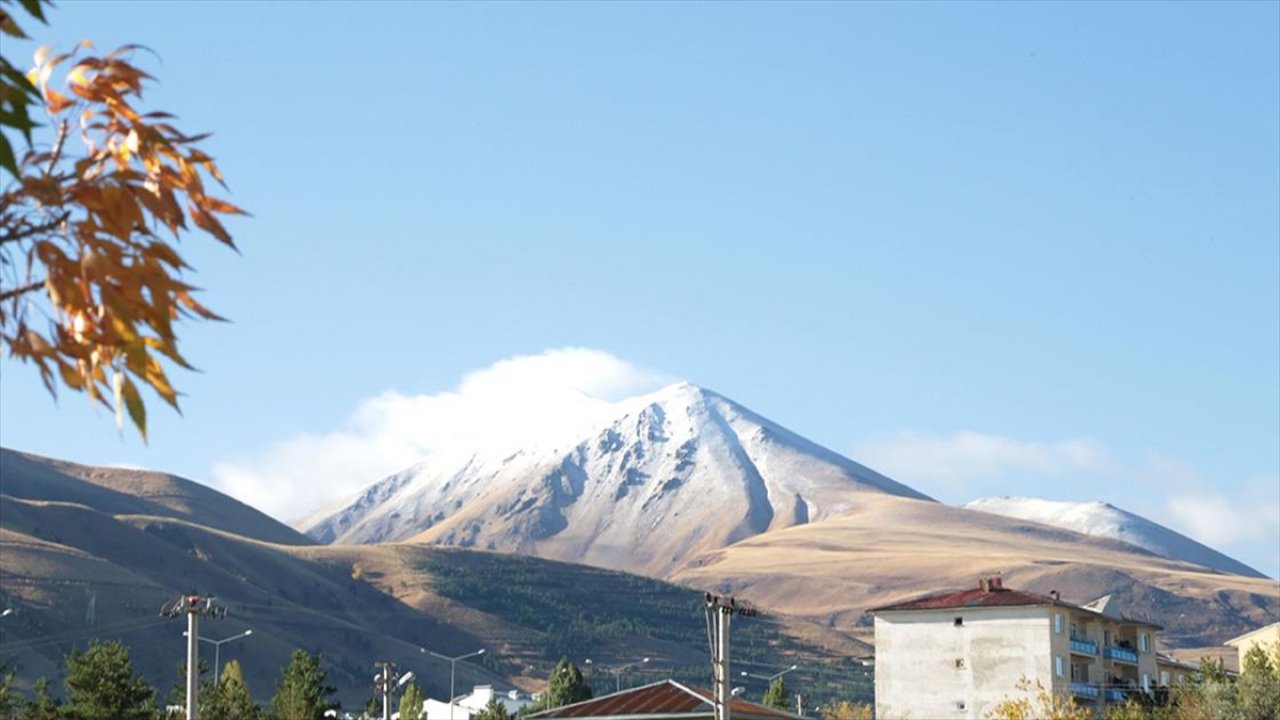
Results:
x,y
1266,637
961,653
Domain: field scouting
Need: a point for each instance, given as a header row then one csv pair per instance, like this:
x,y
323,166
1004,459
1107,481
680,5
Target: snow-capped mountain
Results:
x,y
678,472
1104,520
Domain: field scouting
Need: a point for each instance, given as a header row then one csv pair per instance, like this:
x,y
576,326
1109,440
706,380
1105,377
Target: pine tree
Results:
x,y
42,706
566,685
494,710
777,696
301,693
101,685
411,703
230,699
9,703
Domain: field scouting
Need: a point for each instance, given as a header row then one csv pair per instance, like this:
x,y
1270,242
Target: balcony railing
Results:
x,y
1085,690
1084,647
1115,695
1121,654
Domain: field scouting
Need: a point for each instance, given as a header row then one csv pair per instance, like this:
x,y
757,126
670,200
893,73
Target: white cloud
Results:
x,y
1250,514
971,462
521,400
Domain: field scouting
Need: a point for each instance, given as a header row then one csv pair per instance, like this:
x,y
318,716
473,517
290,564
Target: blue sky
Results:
x,y
986,248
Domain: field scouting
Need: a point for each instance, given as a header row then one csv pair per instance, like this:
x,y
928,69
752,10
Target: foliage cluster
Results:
x,y
1255,695
91,281
101,684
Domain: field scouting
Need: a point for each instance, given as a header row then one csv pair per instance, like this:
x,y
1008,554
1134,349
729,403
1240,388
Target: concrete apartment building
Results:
x,y
959,654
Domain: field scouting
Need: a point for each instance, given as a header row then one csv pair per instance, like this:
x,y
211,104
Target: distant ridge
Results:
x,y
137,492
1100,519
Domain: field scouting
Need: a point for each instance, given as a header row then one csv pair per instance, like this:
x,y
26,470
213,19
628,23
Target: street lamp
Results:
x,y
617,672
769,678
453,665
6,612
217,648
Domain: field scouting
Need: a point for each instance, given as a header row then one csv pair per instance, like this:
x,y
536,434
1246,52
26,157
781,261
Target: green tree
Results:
x,y
43,706
495,709
777,696
9,703
101,685
411,703
91,282
302,692
230,699
1258,689
565,686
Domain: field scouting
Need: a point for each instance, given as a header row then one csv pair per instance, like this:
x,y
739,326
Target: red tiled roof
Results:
x,y
973,597
992,593
661,699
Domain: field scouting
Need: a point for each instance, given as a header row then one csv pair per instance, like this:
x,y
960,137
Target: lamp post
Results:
x,y
617,672
453,666
217,648
769,678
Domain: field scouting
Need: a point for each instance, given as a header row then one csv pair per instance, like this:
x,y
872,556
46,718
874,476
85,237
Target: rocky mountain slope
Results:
x,y
1100,519
678,472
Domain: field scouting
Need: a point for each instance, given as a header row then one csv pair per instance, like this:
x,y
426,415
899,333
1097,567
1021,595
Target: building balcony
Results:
x,y
1085,690
1115,695
1081,646
1121,654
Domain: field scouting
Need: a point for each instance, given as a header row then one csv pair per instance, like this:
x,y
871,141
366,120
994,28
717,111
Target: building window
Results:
x,y
959,663
1146,682
959,621
1144,642
1164,678
1057,665
1057,623
960,705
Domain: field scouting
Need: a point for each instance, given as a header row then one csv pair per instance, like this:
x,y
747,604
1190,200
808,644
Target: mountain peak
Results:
x,y
684,461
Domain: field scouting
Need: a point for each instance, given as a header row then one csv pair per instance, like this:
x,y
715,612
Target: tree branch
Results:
x,y
30,230
20,291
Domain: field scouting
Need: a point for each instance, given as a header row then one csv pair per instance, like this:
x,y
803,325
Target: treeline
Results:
x,y
576,616
101,684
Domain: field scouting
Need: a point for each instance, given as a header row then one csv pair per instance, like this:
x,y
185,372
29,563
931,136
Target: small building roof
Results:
x,y
991,592
666,698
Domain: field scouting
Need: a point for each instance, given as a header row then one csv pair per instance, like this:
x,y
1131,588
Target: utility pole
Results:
x,y
386,682
719,611
193,606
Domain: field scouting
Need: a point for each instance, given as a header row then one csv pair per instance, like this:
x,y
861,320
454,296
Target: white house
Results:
x,y
464,706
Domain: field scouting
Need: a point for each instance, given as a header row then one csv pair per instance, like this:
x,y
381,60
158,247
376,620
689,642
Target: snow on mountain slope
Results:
x,y
678,472
1103,520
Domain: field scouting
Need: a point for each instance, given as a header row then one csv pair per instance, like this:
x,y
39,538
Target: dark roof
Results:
x,y
665,698
973,597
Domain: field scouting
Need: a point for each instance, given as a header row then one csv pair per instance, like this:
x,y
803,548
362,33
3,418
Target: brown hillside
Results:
x,y
894,548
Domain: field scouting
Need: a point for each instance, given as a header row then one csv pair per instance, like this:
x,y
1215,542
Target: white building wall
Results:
x,y
917,673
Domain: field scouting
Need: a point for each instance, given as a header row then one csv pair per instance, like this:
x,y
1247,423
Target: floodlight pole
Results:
x,y
193,606
453,666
